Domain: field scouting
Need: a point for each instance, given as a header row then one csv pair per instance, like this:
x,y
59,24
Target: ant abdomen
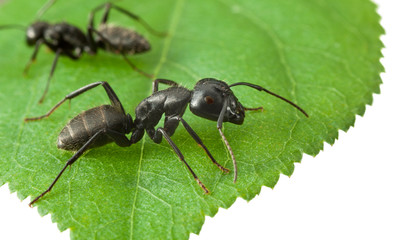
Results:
x,y
122,40
85,125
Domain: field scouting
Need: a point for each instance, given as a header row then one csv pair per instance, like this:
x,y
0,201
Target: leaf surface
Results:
x,y
323,55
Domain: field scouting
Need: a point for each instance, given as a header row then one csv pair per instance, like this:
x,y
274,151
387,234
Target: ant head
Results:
x,y
210,96
35,32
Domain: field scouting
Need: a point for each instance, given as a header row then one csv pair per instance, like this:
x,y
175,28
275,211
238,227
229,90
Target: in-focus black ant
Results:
x,y
211,99
65,39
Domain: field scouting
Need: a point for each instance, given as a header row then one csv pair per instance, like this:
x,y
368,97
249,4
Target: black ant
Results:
x,y
211,99
65,39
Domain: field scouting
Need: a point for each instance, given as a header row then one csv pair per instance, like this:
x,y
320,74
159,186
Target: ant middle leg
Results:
x,y
110,92
164,81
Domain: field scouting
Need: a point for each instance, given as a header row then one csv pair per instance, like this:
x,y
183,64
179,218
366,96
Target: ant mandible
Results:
x,y
67,40
211,99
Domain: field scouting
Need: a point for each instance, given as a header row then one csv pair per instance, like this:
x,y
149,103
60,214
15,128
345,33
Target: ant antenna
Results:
x,y
219,126
44,8
40,12
269,92
13,26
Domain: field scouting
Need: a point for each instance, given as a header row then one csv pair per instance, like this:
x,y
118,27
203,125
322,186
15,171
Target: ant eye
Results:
x,y
209,100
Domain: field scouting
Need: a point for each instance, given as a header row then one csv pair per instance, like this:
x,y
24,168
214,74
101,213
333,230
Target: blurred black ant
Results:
x,y
68,40
211,99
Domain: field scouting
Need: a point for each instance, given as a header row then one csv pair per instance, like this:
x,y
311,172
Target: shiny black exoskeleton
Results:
x,y
62,38
211,99
116,39
68,40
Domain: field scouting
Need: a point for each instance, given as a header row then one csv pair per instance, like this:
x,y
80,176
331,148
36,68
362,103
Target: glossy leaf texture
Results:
x,y
323,55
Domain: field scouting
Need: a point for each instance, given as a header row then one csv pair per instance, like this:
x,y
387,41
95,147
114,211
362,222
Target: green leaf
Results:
x,y
323,55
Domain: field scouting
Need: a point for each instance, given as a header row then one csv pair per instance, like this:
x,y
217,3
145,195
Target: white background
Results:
x,y
346,192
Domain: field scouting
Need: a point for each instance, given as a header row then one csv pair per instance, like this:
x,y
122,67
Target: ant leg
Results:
x,y
91,40
57,54
95,10
107,42
34,55
164,81
73,56
69,163
197,139
136,68
181,157
171,123
108,6
110,93
120,139
259,88
106,13
219,126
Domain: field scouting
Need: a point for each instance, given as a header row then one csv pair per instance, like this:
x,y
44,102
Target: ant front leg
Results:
x,y
170,126
110,93
198,140
162,132
34,55
57,54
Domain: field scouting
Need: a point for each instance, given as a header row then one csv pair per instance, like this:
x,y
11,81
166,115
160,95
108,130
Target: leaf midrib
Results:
x,y
172,27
